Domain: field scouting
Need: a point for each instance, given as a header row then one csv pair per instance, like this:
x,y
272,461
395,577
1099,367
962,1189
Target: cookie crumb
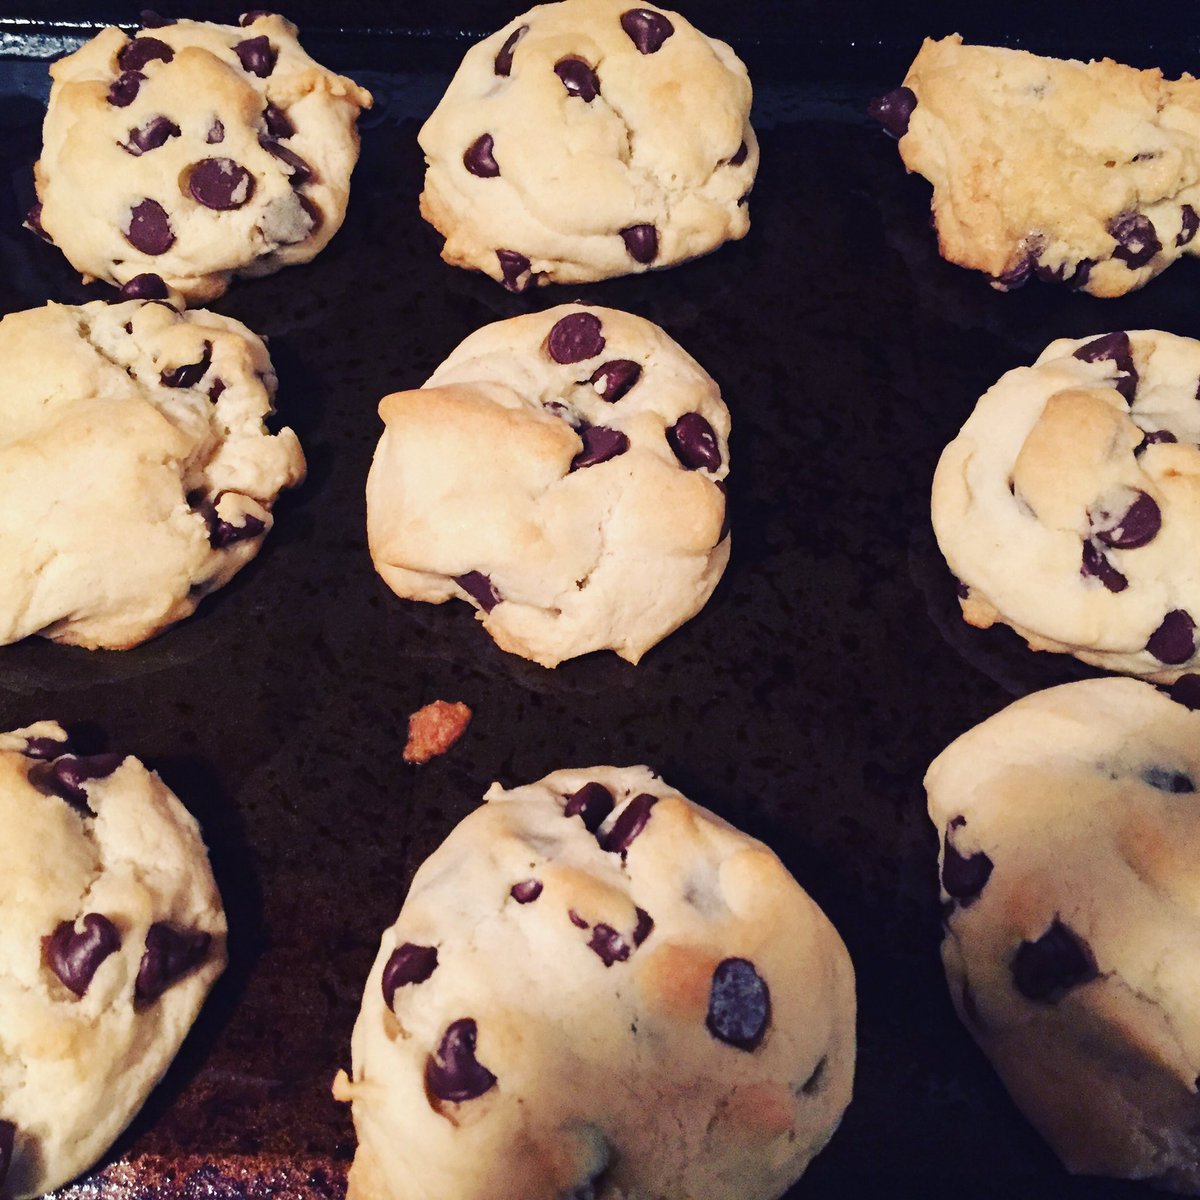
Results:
x,y
432,730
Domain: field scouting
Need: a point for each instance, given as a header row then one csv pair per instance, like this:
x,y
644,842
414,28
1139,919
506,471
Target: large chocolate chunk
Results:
x,y
504,59
75,955
646,28
894,110
407,964
170,954
1045,969
257,56
480,588
592,804
454,1073
964,876
189,374
1174,641
633,819
478,157
1127,530
143,50
578,78
575,337
1137,242
150,228
739,1004
599,445
220,183
1115,348
694,442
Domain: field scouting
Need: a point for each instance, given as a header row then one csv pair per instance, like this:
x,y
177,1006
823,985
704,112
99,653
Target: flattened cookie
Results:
x,y
563,472
195,151
111,934
588,139
1081,173
599,989
1069,504
136,474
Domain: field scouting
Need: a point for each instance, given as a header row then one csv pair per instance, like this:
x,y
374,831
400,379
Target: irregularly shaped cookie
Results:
x,y
1069,504
1070,867
588,139
1082,173
599,989
111,934
136,474
563,472
195,151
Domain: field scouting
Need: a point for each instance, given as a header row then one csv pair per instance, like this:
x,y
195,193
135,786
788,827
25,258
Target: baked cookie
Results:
x,y
588,139
1070,864
597,989
195,151
111,934
1086,174
1069,504
136,474
563,472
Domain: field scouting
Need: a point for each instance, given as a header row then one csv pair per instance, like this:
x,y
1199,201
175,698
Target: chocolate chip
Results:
x,y
1128,530
964,876
189,374
33,222
644,927
220,183
1174,641
578,78
593,802
504,59
1076,280
74,956
124,89
1152,437
1189,223
894,110
315,216
527,891
599,445
961,589
248,18
609,945
256,55
479,586
300,172
633,819
642,242
1114,348
575,337
478,158
512,267
216,132
647,29
576,919
407,964
739,1004
1018,275
150,228
1186,691
170,954
68,775
1045,969
1137,242
150,136
613,379
44,749
1097,566
224,533
277,122
143,50
739,156
694,442
152,20
455,1074
214,392
8,1133
146,286
1166,780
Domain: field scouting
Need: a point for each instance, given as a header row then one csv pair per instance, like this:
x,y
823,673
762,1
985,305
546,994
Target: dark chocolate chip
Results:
x,y
1136,526
578,78
1186,691
8,1133
256,55
69,774
694,442
1166,780
1114,348
609,945
300,172
248,18
575,337
592,803
189,374
124,89
33,222
407,964
642,242
893,110
216,132
633,819
599,445
480,588
152,20
150,228
1189,223
74,956
146,286
44,749
455,1074
220,183
527,891
964,876
512,267
224,533
150,136
1174,641
1019,274
478,158
647,29
277,122
961,589
739,156
1097,566
576,919
1152,437
739,1004
1076,280
215,390
170,954
1137,242
143,50
644,927
1058,961
504,59
613,379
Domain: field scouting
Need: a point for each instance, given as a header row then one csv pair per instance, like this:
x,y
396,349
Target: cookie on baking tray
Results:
x,y
562,471
1069,504
136,474
588,139
1082,173
195,151
1070,866
598,989
111,934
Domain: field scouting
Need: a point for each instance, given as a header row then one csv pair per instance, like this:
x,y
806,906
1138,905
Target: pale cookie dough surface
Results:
x,y
1069,504
195,151
1084,173
588,139
563,472
1070,867
136,474
598,989
111,934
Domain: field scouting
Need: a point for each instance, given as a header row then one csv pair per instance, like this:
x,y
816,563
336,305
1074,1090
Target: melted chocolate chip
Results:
x,y
224,533
277,122
256,55
1097,566
146,286
642,242
1166,780
578,78
220,183
633,819
646,28
527,891
609,945
694,442
150,228
74,956
170,954
478,158
407,964
1154,436
1174,641
1137,242
479,586
894,110
43,749
1076,280
1186,691
150,136
8,1133
455,1074
1020,273
300,173
68,775
1136,526
1114,348
644,927
216,133
575,337
124,89
143,50
512,267
739,1004
189,374
592,803
1189,223
964,876
599,445
504,59
1058,961
613,379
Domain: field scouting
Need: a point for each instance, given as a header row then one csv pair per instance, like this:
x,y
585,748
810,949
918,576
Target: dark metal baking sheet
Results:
x,y
803,704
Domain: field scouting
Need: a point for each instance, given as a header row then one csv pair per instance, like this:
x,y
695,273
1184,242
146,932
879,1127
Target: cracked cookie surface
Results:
x,y
562,471
588,139
597,988
111,934
136,474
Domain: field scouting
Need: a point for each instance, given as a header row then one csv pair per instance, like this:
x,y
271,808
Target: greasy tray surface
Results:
x,y
804,703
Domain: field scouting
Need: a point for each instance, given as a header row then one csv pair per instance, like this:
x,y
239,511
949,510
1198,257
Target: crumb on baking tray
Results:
x,y
432,730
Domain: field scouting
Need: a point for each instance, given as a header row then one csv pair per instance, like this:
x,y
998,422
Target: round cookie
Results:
x,y
111,934
598,989
1069,504
563,471
588,139
136,474
1070,866
195,151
